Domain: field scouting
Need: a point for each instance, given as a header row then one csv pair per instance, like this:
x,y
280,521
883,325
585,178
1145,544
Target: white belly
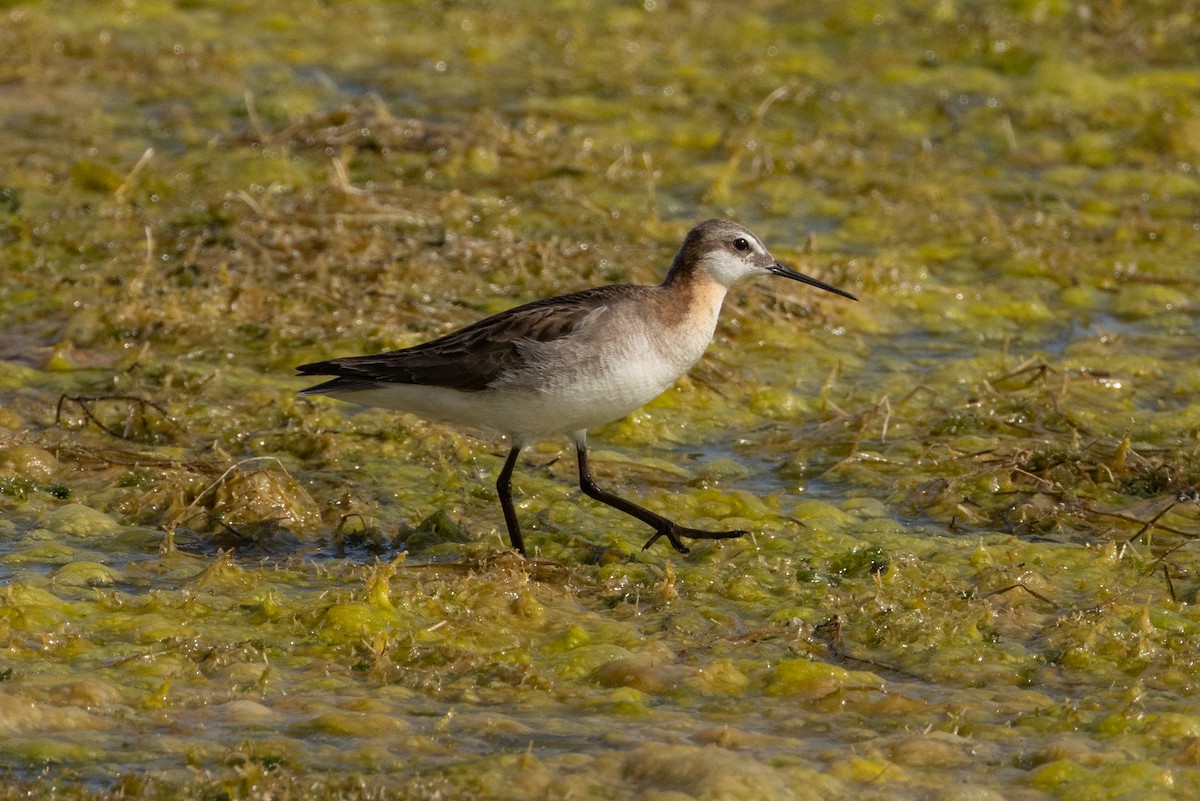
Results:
x,y
546,403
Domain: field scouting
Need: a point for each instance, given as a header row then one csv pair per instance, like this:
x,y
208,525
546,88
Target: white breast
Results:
x,y
618,360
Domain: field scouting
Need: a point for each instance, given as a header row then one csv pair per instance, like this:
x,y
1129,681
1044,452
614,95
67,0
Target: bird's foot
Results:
x,y
673,531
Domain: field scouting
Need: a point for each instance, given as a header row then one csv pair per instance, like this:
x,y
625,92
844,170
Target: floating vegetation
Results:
x,y
973,572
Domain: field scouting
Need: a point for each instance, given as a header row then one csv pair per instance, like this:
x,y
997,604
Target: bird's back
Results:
x,y
474,358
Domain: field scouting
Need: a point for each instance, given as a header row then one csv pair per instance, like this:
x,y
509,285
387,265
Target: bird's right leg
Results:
x,y
663,527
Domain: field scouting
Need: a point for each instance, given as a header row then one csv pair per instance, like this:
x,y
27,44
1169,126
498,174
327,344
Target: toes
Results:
x,y
696,534
672,537
675,532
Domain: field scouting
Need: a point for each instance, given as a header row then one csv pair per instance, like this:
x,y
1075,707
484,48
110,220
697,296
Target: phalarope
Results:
x,y
566,364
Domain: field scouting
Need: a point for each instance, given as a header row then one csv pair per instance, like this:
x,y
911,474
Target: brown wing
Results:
x,y
471,358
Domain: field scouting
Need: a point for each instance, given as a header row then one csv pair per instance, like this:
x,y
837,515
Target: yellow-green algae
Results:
x,y
972,573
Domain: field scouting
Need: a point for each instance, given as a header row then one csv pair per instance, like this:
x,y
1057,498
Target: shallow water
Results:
x,y
972,494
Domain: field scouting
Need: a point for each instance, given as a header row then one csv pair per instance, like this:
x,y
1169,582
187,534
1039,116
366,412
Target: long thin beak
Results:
x,y
787,272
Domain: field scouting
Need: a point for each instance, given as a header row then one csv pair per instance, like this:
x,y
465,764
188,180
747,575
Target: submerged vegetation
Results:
x,y
974,495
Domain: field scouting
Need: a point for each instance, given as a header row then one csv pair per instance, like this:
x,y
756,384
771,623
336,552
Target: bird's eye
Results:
x,y
741,244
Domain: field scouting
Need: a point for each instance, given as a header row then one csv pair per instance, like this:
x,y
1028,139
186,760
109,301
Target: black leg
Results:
x,y
504,490
661,525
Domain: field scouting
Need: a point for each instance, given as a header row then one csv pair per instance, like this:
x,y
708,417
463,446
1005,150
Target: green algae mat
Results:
x,y
973,572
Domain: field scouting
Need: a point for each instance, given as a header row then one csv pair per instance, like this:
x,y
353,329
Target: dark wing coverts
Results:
x,y
471,358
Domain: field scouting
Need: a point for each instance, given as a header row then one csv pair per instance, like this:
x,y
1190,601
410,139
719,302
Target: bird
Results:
x,y
565,364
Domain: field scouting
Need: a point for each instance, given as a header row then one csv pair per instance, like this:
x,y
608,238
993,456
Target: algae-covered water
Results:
x,y
973,495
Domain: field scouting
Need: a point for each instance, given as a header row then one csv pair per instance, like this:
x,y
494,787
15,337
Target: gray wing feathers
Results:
x,y
473,358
